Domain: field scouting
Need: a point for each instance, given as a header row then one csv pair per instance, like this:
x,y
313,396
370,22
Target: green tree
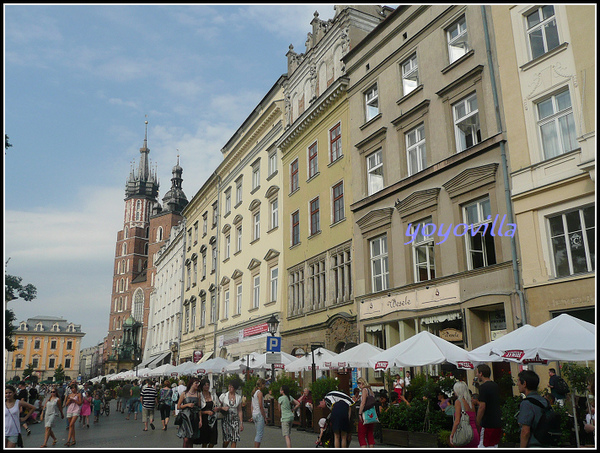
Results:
x,y
59,374
14,289
6,143
28,371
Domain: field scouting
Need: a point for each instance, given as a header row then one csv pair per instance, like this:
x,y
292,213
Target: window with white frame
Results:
x,y
19,362
37,344
194,272
466,123
20,344
315,222
214,259
256,292
204,266
193,316
238,191
138,306
213,308
202,311
337,193
341,273
372,102
51,363
313,164
189,276
272,163
226,305
256,175
542,32
294,177
423,252
572,235
416,156
227,201
410,74
295,228
238,305
204,224
239,238
296,291
379,264
256,222
457,39
227,246
374,172
274,277
481,250
195,232
316,282
557,125
274,208
215,216
335,142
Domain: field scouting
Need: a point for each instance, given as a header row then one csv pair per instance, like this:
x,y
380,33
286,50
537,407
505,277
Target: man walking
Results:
x,y
555,388
529,413
489,414
149,401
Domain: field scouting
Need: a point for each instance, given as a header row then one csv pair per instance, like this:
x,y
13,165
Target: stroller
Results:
x,y
326,438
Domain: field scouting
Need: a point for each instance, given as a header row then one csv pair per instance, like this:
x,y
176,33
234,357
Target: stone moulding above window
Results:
x,y
271,255
272,191
412,115
224,281
472,74
470,179
372,140
193,299
213,240
212,288
236,274
254,263
203,249
226,229
417,201
202,293
237,219
254,205
375,219
194,256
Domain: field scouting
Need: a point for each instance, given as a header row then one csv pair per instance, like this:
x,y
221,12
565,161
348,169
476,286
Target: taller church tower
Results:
x,y
140,237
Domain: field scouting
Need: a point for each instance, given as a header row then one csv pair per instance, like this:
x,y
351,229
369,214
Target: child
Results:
x,y
97,405
322,423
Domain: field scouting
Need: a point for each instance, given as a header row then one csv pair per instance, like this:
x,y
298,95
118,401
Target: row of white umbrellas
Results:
x,y
563,338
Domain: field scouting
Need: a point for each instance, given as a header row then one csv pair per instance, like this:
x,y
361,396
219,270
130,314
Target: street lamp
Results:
x,y
273,323
319,353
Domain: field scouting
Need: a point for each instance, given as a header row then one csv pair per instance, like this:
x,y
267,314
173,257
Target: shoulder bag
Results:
x,y
464,430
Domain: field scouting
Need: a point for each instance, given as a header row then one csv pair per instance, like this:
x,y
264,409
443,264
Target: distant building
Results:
x,y
45,342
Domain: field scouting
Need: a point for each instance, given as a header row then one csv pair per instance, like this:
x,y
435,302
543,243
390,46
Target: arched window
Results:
x,y
138,210
159,234
124,249
322,78
138,305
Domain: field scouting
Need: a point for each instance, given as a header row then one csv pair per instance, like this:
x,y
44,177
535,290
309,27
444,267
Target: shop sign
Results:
x,y
255,330
451,335
197,356
381,365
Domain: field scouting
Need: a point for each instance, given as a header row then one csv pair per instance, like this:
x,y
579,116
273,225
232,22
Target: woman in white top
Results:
x,y
233,423
12,424
258,411
50,412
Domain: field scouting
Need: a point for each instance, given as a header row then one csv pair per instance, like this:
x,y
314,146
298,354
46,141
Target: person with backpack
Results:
x,y
558,387
165,402
540,425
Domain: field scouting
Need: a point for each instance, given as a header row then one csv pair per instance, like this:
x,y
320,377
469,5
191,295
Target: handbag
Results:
x,y
464,430
369,402
370,416
178,419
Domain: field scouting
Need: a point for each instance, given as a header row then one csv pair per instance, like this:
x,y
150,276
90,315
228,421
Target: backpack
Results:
x,y
561,387
547,430
175,396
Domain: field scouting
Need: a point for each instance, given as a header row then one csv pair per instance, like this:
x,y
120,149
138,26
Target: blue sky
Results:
x,y
78,84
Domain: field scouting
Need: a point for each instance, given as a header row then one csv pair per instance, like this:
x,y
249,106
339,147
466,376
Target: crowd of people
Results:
x,y
196,408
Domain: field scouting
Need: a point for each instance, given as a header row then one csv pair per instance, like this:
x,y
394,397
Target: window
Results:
x,y
274,213
203,266
239,299
214,260
138,306
316,284
338,202
69,345
238,191
227,201
195,232
189,276
335,142
295,228
296,291
573,241
415,150
227,246
37,344
256,176
195,273
36,362
374,172
423,256
457,39
193,316
466,123
272,163
542,31
556,124
313,165
159,234
20,344
239,238
215,216
294,176
274,277
341,273
226,305
379,264
213,308
51,363
480,241
67,362
53,344
410,75
18,362
315,225
372,102
204,224
203,311
256,222
256,292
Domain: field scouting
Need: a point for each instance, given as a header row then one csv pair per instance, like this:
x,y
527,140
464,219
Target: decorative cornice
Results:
x,y
224,281
237,219
375,219
477,70
254,263
271,254
378,135
271,191
254,205
226,229
471,179
417,201
236,274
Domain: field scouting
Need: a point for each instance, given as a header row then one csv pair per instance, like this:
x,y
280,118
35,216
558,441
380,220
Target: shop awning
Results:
x,y
441,318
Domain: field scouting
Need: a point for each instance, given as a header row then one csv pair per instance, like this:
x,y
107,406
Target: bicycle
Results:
x,y
105,408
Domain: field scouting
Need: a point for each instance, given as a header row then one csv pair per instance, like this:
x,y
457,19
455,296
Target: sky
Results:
x,y
79,83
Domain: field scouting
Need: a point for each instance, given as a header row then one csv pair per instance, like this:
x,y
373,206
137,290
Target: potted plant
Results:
x,y
319,389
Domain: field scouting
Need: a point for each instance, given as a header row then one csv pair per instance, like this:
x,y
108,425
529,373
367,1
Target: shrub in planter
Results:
x,y
284,380
322,387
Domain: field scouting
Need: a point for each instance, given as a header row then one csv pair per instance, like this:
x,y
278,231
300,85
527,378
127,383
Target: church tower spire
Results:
x,y
143,183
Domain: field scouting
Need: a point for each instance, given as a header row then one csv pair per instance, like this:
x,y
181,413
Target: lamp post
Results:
x,y
319,353
273,324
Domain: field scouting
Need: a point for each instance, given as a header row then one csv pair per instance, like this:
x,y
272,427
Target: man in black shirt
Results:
x,y
489,412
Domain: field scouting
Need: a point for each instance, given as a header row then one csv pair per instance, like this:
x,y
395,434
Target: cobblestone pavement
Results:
x,y
114,431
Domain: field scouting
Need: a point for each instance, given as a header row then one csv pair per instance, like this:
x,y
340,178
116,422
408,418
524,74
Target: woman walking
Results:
x,y
134,400
50,412
233,424
365,432
258,411
86,408
208,409
463,400
287,413
164,403
189,407
12,424
73,403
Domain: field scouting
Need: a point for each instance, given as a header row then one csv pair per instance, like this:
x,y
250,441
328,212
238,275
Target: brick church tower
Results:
x,y
147,225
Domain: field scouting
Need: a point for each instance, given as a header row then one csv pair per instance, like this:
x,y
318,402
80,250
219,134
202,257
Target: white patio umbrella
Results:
x,y
356,357
323,359
240,364
183,368
484,352
421,349
261,361
563,338
216,365
163,370
143,373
